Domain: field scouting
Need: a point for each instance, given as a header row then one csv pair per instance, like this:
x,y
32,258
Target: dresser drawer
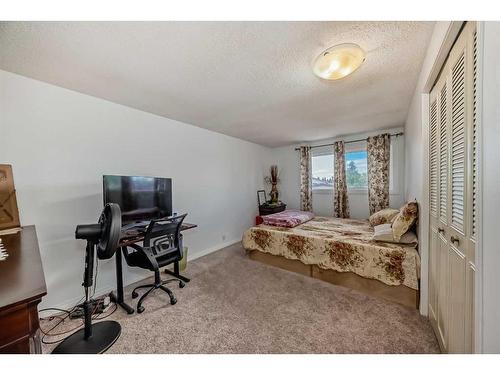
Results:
x,y
15,323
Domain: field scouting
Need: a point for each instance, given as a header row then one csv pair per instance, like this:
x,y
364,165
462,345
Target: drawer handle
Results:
x,y
455,240
440,230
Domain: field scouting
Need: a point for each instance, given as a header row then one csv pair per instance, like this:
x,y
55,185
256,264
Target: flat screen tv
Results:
x,y
140,198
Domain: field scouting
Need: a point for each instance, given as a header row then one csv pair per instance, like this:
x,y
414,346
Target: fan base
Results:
x,y
104,335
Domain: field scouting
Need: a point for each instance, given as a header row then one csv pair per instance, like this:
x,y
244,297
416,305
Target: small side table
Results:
x,y
268,210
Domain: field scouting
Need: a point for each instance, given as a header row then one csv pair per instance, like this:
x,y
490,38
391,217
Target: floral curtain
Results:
x,y
378,148
305,179
340,199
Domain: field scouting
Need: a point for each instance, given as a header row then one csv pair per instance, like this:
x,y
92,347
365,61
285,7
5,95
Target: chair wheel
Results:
x,y
182,284
173,301
140,309
134,294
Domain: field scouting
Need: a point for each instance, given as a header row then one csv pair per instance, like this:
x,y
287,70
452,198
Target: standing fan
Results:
x,y
103,237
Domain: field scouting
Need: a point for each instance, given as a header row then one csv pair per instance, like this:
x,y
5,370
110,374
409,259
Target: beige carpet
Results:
x,y
236,305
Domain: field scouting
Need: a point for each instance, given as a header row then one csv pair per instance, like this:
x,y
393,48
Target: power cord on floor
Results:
x,y
66,314
99,317
61,318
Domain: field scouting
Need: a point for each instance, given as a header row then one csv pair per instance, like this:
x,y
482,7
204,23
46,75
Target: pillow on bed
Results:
x,y
405,219
383,216
287,218
384,233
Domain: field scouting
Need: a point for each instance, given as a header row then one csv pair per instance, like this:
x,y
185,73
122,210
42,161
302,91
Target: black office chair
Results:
x,y
162,246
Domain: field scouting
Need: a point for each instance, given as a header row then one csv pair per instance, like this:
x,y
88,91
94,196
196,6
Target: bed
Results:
x,y
340,251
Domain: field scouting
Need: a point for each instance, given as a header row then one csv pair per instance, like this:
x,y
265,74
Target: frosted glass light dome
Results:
x,y
338,61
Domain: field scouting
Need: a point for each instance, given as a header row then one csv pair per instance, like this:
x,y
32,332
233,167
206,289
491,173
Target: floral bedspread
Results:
x,y
343,245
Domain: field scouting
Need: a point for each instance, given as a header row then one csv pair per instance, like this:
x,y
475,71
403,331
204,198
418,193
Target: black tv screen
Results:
x,y
140,198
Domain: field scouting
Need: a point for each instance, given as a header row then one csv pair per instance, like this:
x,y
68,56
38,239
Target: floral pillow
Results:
x,y
404,220
383,216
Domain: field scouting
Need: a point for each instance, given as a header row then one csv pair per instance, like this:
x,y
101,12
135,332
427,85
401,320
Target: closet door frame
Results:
x,y
478,255
453,30
433,211
439,225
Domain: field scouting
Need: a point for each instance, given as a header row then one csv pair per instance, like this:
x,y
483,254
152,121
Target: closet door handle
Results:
x,y
455,240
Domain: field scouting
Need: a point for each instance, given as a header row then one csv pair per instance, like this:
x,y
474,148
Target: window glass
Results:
x,y
356,169
322,171
356,166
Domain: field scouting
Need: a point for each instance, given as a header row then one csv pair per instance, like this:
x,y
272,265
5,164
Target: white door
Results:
x,y
457,192
438,178
442,239
452,177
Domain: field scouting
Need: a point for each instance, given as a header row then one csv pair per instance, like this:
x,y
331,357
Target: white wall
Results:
x,y
415,143
288,164
490,188
414,128
61,142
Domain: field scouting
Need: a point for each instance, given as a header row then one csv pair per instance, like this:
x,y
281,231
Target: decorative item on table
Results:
x,y
273,180
9,214
3,251
261,197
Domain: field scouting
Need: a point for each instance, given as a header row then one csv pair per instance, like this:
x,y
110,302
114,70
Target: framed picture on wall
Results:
x,y
261,197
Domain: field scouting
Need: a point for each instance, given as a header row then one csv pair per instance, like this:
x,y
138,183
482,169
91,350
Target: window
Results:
x,y
322,171
356,170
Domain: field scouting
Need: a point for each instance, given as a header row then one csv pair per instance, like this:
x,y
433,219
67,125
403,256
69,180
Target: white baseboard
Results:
x,y
68,304
212,249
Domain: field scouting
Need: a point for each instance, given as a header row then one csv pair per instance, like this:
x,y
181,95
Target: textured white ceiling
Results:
x,y
251,80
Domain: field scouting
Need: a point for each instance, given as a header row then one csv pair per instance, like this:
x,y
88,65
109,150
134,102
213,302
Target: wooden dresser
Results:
x,y
22,286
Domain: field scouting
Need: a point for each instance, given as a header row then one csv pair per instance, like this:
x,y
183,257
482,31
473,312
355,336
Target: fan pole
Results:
x,y
88,276
98,337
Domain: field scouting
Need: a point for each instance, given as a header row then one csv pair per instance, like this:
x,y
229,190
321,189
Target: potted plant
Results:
x,y
273,180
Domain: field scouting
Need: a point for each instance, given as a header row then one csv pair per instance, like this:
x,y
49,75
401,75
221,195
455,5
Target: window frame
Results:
x,y
356,147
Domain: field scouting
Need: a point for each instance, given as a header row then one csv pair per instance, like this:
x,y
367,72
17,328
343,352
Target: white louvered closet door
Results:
x,y
453,186
443,239
438,162
457,193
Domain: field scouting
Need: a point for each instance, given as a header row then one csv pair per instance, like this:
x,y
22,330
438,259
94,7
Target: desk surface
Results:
x,y
134,236
21,274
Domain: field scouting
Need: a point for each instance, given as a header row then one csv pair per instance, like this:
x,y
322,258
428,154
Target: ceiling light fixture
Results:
x,y
338,61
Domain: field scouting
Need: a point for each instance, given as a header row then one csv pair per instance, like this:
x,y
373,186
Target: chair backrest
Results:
x,y
163,235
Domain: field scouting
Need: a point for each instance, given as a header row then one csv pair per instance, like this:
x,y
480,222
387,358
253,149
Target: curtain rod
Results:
x,y
353,141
